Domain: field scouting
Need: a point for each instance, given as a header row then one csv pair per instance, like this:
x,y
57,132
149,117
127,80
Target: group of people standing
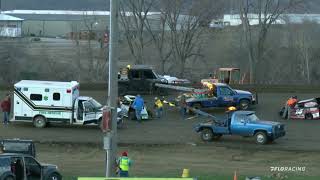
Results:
x,y
158,105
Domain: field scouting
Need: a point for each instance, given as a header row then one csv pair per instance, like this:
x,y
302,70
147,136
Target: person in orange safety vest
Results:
x,y
291,102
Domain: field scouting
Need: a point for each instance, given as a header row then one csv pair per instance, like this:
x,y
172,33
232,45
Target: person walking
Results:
x,y
158,106
124,164
6,108
138,105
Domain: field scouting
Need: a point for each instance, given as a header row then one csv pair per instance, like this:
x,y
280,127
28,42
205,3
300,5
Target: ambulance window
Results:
x,y
56,96
36,97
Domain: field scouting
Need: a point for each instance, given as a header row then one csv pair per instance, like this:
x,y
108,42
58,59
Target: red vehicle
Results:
x,y
305,109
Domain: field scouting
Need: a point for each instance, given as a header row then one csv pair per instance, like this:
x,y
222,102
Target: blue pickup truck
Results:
x,y
223,95
241,123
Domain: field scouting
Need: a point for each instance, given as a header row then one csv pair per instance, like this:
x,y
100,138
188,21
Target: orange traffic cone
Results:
x,y
235,176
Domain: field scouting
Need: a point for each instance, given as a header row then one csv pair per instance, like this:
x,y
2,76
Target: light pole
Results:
x,y
111,136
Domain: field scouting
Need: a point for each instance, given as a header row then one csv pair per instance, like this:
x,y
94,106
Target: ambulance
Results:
x,y
43,102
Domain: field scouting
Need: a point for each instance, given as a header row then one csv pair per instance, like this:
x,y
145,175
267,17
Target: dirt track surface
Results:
x,y
301,135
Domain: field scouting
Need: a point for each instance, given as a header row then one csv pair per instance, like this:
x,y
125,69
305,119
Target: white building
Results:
x,y
10,26
235,20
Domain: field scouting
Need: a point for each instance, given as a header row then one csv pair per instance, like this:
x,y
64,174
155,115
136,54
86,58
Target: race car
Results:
x,y
127,111
305,109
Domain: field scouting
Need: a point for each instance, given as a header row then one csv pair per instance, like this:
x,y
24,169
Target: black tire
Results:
x,y
261,137
244,104
9,178
308,116
54,176
39,122
207,135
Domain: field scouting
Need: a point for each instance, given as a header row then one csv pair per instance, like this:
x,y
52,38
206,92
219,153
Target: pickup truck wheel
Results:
x,y
39,122
261,137
206,135
244,104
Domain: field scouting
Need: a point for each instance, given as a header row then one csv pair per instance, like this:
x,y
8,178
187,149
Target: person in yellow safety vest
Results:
x,y
158,106
124,164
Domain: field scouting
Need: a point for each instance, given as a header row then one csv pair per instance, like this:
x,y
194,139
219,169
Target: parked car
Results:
x,y
305,109
15,166
18,146
241,123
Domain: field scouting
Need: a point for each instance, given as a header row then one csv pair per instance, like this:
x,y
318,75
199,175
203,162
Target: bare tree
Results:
x,y
159,38
185,30
305,41
90,21
75,36
133,17
267,12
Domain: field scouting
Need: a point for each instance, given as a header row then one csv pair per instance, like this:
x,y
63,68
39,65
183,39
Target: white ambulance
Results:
x,y
42,102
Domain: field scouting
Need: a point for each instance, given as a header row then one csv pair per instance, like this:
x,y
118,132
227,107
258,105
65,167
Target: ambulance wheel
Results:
x,y
39,122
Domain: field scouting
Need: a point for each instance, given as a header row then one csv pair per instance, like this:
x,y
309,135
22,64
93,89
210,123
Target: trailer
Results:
x,y
43,102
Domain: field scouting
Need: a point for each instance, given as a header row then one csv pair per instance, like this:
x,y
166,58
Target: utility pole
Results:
x,y
111,136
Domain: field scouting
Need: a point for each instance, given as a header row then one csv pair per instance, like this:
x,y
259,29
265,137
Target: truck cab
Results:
x,y
25,167
241,123
138,79
86,111
221,95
